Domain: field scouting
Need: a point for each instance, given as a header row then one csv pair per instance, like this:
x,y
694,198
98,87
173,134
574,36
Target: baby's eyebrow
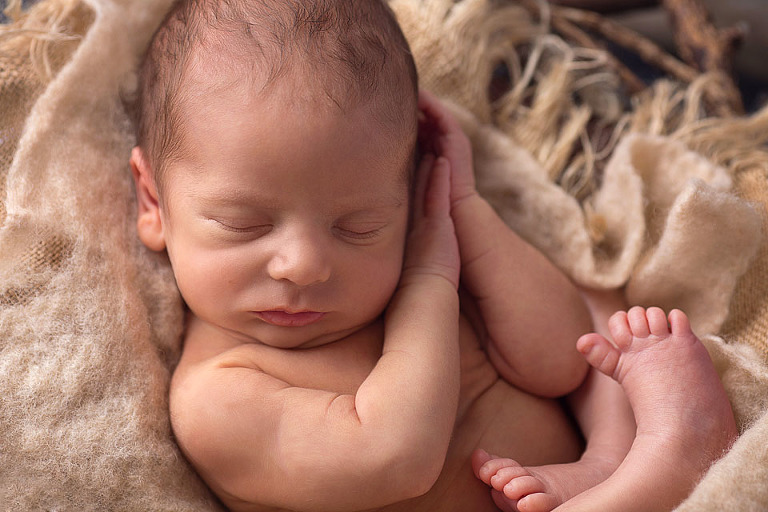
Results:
x,y
236,198
240,199
365,203
365,211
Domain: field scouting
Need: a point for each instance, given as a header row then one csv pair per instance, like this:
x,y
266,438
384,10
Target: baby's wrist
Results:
x,y
430,278
466,202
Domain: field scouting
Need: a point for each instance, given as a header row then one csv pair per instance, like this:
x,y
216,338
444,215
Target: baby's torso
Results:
x,y
492,414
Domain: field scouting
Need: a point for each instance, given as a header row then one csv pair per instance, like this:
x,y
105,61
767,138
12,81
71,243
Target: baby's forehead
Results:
x,y
212,77
218,102
247,154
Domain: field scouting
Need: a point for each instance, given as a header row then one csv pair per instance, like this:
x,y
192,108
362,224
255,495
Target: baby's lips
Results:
x,y
285,319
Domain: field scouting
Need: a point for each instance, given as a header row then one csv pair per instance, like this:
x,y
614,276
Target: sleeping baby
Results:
x,y
363,331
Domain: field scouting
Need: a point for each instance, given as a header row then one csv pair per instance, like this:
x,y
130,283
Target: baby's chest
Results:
x,y
342,366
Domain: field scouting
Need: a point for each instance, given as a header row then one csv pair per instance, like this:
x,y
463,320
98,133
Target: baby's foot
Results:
x,y
665,371
684,419
516,488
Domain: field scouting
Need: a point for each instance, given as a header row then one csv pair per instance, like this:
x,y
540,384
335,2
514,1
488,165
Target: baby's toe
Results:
x,y
657,322
479,459
506,475
486,466
518,488
638,322
504,503
599,353
618,325
539,502
679,323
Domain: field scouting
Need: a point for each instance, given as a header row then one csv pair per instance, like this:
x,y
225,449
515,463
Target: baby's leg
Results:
x,y
606,420
684,422
602,411
684,418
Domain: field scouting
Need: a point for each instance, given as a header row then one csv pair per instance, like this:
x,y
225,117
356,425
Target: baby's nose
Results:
x,y
300,259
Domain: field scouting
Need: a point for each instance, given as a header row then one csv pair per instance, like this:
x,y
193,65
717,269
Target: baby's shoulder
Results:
x,y
212,375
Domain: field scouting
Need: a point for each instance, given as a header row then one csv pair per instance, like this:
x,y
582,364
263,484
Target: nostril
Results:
x,y
302,268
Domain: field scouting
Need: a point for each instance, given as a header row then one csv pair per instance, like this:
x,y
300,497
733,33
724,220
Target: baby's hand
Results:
x,y
441,135
432,247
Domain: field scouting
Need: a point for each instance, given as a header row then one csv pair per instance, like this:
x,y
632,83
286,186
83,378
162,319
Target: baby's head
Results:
x,y
345,53
275,144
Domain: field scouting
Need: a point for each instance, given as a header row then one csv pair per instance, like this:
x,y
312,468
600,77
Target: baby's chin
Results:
x,y
305,336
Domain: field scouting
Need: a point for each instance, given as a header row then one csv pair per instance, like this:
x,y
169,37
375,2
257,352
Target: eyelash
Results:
x,y
249,229
346,233
357,235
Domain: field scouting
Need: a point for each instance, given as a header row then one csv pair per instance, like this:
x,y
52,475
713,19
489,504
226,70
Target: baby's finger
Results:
x,y
433,108
441,133
437,199
420,186
438,117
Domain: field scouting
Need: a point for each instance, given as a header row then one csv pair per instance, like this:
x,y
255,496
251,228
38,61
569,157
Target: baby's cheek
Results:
x,y
205,282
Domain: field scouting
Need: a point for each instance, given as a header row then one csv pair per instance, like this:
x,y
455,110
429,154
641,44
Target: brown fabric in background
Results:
x,y
748,320
90,321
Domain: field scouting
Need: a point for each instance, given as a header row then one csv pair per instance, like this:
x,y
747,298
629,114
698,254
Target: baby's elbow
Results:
x,y
420,486
363,472
427,470
415,472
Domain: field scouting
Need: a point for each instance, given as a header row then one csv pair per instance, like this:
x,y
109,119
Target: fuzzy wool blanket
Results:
x,y
669,204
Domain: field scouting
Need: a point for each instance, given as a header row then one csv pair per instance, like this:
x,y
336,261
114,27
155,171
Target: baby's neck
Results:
x,y
339,366
213,339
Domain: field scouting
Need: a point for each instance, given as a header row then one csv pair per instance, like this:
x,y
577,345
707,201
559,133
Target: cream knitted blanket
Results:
x,y
668,204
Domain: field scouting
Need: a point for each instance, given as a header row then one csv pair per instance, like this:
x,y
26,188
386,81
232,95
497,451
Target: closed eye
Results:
x,y
255,230
358,234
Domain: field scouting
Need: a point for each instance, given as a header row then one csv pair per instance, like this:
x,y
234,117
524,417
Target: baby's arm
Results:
x,y
257,439
531,312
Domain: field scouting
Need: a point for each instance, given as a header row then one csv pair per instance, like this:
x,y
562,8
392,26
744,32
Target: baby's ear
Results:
x,y
149,222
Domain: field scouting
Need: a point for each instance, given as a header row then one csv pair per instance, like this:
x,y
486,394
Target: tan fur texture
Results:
x,y
90,321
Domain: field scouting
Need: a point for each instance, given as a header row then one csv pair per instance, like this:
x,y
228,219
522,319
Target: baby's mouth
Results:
x,y
282,318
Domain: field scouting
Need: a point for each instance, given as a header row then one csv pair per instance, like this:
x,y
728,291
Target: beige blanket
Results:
x,y
90,321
